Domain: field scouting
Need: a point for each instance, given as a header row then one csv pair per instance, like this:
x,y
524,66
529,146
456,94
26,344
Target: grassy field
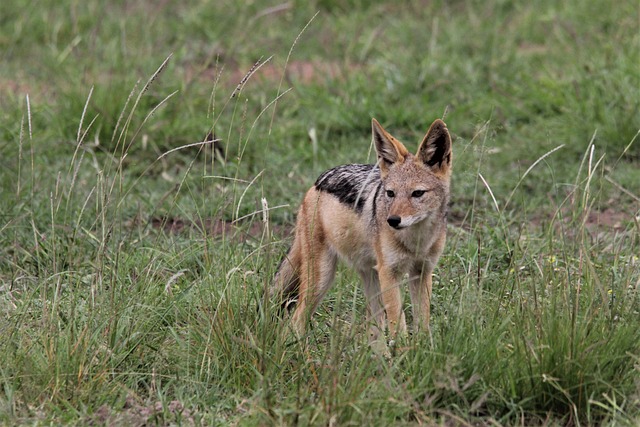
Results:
x,y
134,254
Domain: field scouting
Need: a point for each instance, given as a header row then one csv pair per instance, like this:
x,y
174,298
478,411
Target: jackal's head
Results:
x,y
416,187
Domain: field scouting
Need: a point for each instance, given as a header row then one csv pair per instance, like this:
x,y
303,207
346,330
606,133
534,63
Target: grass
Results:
x,y
130,293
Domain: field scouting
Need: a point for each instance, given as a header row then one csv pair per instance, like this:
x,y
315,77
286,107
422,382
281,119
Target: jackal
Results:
x,y
386,220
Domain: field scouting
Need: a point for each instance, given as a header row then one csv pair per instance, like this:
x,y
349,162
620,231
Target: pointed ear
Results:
x,y
389,149
435,149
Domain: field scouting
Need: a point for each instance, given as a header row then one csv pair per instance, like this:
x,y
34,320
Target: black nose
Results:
x,y
394,221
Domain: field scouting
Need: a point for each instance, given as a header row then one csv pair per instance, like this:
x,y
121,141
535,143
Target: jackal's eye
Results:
x,y
418,193
390,193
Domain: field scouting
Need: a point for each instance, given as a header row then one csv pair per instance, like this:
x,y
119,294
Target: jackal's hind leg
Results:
x,y
316,277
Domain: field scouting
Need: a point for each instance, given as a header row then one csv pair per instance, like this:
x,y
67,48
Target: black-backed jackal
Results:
x,y
385,220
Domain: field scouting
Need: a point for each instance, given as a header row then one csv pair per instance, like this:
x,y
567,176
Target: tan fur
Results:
x,y
383,254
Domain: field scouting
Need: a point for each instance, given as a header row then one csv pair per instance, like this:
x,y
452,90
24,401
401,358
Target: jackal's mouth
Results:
x,y
400,223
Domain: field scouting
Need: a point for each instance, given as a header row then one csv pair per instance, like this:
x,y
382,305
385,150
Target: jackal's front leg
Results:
x,y
375,309
420,290
392,301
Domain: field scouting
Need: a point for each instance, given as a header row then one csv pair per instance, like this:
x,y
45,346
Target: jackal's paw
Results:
x,y
380,348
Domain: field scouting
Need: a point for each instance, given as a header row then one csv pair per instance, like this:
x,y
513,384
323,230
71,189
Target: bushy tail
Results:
x,y
285,286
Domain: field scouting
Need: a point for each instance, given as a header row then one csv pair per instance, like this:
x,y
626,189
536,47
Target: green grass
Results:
x,y
128,296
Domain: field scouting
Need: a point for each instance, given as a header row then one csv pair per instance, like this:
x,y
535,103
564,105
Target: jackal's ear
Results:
x,y
435,149
389,149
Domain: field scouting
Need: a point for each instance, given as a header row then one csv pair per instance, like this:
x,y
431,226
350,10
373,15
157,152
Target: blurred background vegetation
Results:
x,y
129,294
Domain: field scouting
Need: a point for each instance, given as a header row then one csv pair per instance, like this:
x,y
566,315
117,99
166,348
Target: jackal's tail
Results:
x,y
285,286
